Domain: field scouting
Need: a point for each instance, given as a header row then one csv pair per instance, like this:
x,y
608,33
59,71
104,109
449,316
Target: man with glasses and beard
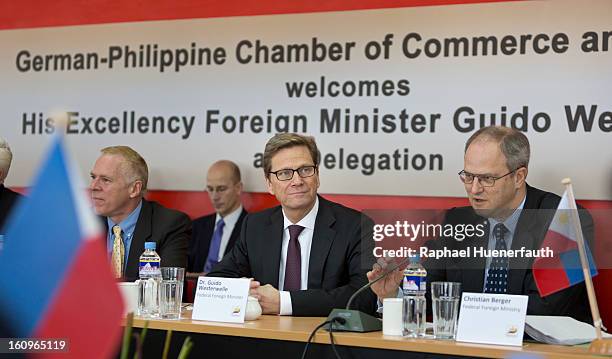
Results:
x,y
305,255
513,214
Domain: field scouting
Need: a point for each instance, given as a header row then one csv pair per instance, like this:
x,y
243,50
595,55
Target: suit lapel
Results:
x,y
142,233
235,232
473,277
208,228
271,246
322,240
525,235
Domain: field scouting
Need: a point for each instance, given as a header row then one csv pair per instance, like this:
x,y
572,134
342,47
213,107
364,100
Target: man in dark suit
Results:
x,y
214,235
7,197
118,183
306,255
512,215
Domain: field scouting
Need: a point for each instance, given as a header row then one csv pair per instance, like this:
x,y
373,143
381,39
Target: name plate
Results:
x,y
492,318
221,299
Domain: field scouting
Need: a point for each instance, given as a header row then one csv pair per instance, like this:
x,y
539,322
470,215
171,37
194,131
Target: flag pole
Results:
x,y
586,268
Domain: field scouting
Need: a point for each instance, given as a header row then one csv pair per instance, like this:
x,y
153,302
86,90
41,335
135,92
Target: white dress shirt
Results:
x,y
230,222
305,239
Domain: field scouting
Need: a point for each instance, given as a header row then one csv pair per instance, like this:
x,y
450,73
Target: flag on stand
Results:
x,y
56,280
563,269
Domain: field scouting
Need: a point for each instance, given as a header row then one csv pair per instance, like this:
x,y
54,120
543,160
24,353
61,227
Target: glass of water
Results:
x,y
171,292
445,304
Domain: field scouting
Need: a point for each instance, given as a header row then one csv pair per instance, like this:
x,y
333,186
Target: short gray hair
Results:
x,y
135,166
6,156
512,143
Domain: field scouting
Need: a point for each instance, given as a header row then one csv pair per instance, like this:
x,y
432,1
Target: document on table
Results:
x,y
560,330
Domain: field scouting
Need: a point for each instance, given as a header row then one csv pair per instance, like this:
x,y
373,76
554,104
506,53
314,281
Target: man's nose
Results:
x,y
476,186
296,180
93,185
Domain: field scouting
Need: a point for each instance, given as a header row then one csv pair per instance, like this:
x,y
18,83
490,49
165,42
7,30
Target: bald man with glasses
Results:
x,y
305,255
514,215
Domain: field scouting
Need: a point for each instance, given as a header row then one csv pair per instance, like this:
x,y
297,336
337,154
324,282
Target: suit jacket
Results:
x,y
203,229
7,199
168,228
339,258
529,233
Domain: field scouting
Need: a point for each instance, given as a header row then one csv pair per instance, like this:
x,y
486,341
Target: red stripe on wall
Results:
x,y
34,13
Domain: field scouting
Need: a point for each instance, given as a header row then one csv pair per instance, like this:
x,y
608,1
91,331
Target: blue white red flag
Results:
x,y
563,269
55,279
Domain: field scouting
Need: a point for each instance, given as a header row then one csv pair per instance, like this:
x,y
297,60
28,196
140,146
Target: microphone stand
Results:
x,y
350,320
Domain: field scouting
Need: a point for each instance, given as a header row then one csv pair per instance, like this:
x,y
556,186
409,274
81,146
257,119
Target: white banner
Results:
x,y
390,95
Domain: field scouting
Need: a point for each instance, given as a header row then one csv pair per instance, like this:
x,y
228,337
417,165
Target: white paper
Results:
x,y
492,318
221,299
560,330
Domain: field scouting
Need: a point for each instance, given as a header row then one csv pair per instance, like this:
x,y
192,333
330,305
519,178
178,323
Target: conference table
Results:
x,y
281,336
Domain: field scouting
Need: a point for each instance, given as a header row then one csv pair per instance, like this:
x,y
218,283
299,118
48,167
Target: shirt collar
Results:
x,y
129,223
512,220
308,221
230,218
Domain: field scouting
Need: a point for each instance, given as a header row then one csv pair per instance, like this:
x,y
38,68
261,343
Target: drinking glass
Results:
x,y
445,304
171,292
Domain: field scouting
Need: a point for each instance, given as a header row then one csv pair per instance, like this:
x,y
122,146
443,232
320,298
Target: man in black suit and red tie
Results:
x,y
306,255
214,235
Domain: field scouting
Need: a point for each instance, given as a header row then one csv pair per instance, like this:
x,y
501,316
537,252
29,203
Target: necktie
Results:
x,y
215,244
293,264
118,256
497,276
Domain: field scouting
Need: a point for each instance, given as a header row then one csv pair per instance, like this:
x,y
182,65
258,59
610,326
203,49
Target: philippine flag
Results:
x,y
563,269
55,277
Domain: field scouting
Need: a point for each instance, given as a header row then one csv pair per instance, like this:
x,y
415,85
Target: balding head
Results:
x,y
224,186
6,156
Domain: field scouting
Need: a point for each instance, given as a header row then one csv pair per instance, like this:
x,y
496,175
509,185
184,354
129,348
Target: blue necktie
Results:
x,y
497,276
215,244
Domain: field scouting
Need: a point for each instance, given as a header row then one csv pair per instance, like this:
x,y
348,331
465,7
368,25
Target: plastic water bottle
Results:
x,y
414,287
150,279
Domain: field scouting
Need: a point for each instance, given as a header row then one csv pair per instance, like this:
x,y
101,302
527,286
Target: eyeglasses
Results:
x,y
485,181
287,174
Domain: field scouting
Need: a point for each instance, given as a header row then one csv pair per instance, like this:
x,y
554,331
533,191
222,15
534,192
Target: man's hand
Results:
x,y
388,286
269,299
253,288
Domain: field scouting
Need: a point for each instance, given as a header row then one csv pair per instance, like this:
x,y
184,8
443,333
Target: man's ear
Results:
x,y
521,176
136,189
240,187
269,184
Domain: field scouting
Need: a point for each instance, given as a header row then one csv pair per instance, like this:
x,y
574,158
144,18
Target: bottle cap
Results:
x,y
415,259
149,245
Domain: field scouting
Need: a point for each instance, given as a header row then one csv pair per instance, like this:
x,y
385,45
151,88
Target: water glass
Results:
x,y
445,303
171,292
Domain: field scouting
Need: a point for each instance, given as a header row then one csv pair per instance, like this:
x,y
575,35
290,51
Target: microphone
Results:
x,y
348,320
